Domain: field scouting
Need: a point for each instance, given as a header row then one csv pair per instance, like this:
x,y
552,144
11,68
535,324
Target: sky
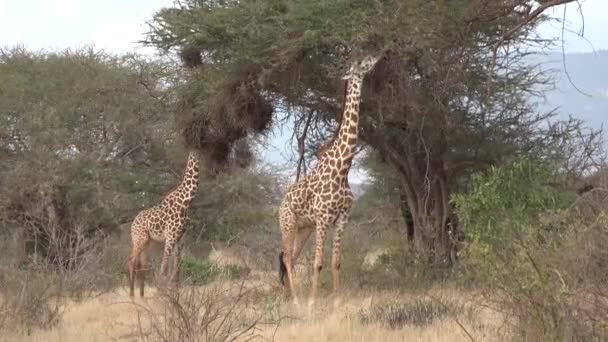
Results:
x,y
117,25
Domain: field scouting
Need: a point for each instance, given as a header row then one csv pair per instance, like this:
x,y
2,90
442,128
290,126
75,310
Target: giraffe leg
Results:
x,y
287,222
134,264
167,253
176,264
302,237
321,229
336,253
141,272
131,265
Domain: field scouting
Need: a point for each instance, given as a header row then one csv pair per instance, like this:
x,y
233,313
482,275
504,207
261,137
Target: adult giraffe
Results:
x,y
163,223
323,198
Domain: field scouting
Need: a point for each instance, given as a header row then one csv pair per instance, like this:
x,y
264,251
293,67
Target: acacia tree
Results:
x,y
82,138
450,97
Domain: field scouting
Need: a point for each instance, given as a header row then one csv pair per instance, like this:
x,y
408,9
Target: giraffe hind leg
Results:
x,y
135,262
322,225
175,271
336,253
131,263
134,272
300,241
141,273
287,222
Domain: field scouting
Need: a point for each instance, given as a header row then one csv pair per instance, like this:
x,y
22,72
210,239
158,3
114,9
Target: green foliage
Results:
x,y
234,205
502,216
198,272
201,272
400,269
534,251
507,198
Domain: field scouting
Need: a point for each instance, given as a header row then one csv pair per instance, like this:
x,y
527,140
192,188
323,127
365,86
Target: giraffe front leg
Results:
x,y
320,231
336,254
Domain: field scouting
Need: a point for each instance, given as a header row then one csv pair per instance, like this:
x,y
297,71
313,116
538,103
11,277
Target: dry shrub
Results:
x,y
572,304
566,299
33,287
215,313
420,313
28,301
538,253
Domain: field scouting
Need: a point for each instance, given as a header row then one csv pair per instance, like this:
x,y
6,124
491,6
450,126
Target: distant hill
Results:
x,y
589,73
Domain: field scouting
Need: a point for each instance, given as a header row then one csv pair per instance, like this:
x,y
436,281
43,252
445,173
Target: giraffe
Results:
x,y
323,198
163,223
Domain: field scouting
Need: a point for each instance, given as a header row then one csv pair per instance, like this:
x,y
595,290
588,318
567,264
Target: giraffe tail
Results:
x,y
282,269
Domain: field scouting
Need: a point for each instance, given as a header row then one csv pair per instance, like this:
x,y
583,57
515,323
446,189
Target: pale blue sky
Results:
x,y
116,26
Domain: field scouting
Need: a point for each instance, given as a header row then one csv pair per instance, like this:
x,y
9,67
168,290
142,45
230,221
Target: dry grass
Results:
x,y
114,317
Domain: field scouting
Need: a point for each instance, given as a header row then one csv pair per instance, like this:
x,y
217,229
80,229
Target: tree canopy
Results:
x,y
451,96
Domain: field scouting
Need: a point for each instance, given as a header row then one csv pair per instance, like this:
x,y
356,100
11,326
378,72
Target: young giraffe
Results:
x,y
163,223
323,197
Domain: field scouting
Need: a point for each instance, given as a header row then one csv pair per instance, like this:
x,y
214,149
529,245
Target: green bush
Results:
x,y
503,219
402,269
198,272
202,272
536,253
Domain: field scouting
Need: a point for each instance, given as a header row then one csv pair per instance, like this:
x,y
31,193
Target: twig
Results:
x,y
564,55
301,145
454,318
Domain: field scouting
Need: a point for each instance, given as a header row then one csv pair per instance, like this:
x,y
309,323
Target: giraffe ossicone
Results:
x,y
163,223
323,198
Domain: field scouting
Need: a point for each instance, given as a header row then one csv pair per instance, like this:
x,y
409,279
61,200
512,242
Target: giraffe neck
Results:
x,y
185,191
346,140
191,176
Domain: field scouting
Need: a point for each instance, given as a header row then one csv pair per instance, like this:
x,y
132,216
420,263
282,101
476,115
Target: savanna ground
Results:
x,y
541,277
254,310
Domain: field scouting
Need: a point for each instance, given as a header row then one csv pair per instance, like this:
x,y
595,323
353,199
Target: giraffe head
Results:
x,y
361,67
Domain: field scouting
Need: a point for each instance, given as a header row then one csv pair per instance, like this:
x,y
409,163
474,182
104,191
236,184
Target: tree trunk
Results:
x,y
425,208
407,216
